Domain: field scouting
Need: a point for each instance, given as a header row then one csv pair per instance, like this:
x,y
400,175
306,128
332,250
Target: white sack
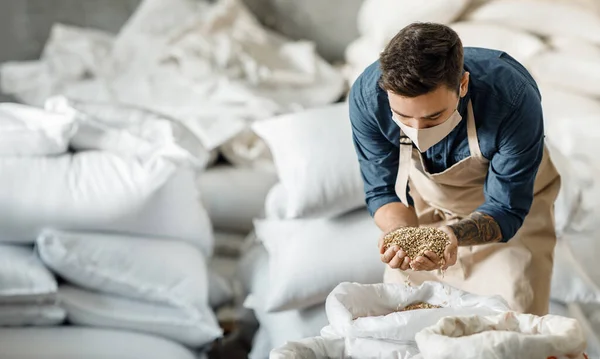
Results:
x,y
562,106
280,327
70,64
95,309
577,74
359,54
575,277
588,316
575,46
308,258
576,138
292,325
100,191
81,342
261,345
129,131
31,131
170,273
372,311
20,315
23,277
569,198
380,20
520,45
316,161
545,18
359,348
220,291
234,196
503,336
253,267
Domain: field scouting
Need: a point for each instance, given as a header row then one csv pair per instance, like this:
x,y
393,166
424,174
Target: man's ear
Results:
x,y
464,84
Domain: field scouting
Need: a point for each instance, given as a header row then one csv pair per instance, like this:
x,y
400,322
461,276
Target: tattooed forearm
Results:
x,y
476,229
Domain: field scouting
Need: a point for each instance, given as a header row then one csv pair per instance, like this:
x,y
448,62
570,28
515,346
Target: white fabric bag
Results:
x,y
34,314
316,161
519,44
380,20
588,316
372,311
234,196
129,131
170,273
570,72
100,191
355,348
283,326
303,266
291,325
545,18
31,131
82,342
574,280
261,345
23,277
569,198
575,46
503,336
564,106
95,309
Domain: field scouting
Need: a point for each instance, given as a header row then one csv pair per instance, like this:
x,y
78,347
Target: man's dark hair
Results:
x,y
420,58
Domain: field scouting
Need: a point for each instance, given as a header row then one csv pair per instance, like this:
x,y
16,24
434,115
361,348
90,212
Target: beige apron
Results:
x,y
520,270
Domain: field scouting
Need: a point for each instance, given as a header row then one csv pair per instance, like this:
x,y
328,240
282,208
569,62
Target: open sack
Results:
x,y
504,336
367,321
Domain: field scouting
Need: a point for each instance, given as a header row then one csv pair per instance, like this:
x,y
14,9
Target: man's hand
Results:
x,y
394,256
430,261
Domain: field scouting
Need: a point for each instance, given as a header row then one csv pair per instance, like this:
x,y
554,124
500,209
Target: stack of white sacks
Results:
x,y
316,232
180,83
118,220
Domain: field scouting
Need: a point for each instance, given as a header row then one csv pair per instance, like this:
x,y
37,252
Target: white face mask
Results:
x,y
427,137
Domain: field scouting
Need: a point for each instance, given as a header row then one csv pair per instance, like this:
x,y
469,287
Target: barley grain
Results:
x,y
416,241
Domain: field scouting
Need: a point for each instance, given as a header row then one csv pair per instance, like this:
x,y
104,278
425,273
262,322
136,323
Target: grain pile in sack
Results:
x,y
503,336
375,311
377,321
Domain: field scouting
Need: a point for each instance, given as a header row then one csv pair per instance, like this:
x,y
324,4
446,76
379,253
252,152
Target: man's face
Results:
x,y
430,109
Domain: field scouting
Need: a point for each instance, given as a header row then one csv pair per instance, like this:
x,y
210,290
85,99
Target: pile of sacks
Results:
x,y
113,211
369,321
209,65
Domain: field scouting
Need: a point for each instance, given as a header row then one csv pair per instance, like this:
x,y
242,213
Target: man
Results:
x,y
454,138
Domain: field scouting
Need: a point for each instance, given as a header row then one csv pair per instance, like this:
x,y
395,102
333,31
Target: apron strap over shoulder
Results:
x,y
472,133
404,165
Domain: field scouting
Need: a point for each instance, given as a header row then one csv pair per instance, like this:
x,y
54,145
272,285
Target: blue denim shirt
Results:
x,y
510,129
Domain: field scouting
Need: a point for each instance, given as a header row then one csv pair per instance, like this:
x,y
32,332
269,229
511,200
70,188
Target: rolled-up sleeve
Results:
x,y
377,156
511,176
